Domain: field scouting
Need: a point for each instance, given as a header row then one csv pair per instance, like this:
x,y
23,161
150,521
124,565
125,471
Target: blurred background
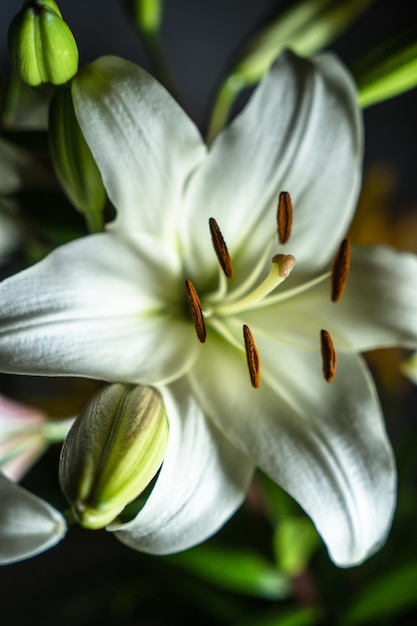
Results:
x,y
239,577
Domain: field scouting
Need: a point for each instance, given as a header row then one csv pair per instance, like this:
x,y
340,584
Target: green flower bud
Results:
x,y
148,14
112,452
41,45
73,162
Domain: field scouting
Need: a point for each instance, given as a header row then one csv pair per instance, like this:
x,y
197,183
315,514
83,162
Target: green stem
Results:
x,y
94,221
153,47
225,99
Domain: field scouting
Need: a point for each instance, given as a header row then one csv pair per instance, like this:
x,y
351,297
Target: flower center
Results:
x,y
258,290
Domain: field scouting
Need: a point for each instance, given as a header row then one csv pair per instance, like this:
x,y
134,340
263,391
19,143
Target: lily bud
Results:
x,y
73,162
41,45
148,14
112,452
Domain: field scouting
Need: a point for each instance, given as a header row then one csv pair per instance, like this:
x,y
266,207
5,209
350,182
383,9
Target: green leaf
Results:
x,y
295,540
385,597
235,570
389,69
296,617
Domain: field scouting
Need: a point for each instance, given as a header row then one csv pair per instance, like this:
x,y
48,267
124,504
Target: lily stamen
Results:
x,y
282,264
220,248
252,357
284,216
328,355
196,311
340,270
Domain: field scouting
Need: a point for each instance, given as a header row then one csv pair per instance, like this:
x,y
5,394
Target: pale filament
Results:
x,y
252,299
221,293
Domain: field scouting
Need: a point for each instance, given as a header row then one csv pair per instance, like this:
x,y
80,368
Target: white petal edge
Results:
x,y
144,144
301,132
203,481
324,444
28,525
98,308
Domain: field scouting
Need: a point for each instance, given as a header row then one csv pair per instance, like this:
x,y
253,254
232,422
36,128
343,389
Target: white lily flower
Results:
x,y
28,524
114,305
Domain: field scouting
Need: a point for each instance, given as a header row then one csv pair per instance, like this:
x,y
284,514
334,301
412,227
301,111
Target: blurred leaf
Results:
x,y
389,69
388,596
236,570
278,503
23,108
306,26
19,168
296,617
295,540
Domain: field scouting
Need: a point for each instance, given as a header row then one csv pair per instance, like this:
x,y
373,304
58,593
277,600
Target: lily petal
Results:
x,y
97,307
28,525
202,482
301,132
19,452
378,308
325,444
143,142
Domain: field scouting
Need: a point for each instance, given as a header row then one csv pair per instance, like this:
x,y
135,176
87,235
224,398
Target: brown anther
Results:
x,y
340,270
328,356
284,216
220,248
196,311
252,357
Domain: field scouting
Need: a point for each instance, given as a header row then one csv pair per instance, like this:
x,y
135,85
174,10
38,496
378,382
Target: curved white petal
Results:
x,y
301,132
378,308
28,525
323,443
202,482
144,144
101,307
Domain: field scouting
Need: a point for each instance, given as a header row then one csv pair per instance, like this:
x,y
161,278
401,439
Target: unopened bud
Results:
x,y
73,162
148,14
112,452
41,45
